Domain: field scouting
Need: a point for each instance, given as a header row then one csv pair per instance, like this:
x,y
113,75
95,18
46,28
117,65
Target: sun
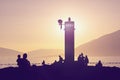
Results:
x,y
58,35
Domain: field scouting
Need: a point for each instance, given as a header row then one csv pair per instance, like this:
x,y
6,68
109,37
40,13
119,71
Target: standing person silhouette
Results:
x,y
81,59
86,61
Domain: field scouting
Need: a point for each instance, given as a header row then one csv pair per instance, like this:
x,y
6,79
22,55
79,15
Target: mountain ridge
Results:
x,y
5,51
107,45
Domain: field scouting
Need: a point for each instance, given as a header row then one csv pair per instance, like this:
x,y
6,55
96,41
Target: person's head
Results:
x,y
24,55
81,54
99,61
86,56
59,56
19,56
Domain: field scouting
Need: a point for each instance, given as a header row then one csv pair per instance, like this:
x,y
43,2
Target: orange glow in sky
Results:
x,y
27,25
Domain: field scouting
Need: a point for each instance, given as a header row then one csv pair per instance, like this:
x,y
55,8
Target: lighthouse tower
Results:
x,y
69,40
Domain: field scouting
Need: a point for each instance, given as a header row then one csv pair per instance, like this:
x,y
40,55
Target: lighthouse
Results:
x,y
69,39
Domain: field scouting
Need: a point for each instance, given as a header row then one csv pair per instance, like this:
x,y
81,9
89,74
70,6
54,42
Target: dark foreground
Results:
x,y
60,72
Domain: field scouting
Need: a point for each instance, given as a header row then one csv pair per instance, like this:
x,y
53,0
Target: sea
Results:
x,y
10,61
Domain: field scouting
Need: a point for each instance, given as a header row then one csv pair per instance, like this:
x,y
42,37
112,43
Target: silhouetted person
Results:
x,y
81,59
86,60
99,64
60,59
55,62
43,63
19,61
25,62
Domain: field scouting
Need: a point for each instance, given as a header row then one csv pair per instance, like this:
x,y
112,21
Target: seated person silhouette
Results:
x,y
60,59
25,61
99,64
43,63
19,61
55,62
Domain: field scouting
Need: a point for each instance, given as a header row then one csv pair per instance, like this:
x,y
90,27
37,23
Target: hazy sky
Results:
x,y
27,25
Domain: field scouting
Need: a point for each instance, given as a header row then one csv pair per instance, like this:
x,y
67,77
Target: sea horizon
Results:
x,y
108,61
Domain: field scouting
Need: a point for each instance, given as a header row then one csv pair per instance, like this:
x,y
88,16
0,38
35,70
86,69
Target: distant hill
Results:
x,y
108,45
8,56
49,55
47,52
6,51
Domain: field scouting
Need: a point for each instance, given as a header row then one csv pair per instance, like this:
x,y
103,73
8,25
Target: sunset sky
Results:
x,y
27,25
